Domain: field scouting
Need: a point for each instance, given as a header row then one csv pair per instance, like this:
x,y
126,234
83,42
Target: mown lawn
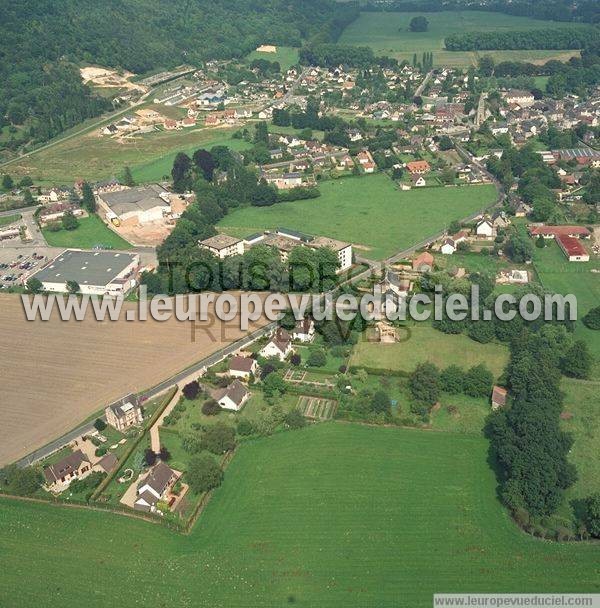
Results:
x,y
91,232
334,515
369,211
387,34
421,342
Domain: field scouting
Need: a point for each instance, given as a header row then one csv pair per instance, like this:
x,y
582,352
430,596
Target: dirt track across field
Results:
x,y
56,374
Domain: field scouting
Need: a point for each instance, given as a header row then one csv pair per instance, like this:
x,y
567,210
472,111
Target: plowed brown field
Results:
x,y
56,374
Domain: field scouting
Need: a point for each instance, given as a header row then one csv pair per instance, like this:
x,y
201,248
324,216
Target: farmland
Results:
x,y
351,209
427,344
92,157
79,367
400,514
90,233
387,34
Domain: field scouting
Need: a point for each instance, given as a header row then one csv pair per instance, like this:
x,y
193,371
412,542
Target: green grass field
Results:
x,y
285,55
581,401
387,34
334,515
428,344
157,169
90,233
367,211
93,157
558,275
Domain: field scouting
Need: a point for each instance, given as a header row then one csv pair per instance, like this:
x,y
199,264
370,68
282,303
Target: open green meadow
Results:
x,y
583,422
285,55
561,276
91,232
157,169
93,157
370,212
388,34
421,342
332,515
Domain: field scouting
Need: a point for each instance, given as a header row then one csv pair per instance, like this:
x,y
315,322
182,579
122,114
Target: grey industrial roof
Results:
x,y
140,198
85,267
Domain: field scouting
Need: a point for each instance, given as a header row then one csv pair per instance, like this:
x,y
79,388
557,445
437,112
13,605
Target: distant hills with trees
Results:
x,y
42,43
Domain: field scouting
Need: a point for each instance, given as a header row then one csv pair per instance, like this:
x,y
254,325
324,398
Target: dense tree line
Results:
x,y
550,38
185,267
526,440
43,41
551,10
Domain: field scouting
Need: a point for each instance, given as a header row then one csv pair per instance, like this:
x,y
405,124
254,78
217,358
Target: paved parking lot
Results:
x,y
16,264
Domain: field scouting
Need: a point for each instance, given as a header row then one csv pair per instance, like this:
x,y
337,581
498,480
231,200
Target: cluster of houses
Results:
x,y
524,117
82,461
486,229
282,239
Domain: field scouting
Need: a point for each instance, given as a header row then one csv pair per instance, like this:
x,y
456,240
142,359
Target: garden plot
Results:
x,y
317,408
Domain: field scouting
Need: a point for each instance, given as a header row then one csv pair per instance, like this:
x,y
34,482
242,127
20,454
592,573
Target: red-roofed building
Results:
x,y
550,232
573,248
418,166
423,262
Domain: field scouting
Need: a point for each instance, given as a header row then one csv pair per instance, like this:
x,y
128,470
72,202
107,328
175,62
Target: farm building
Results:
x,y
223,245
550,232
96,272
232,397
124,413
139,205
573,248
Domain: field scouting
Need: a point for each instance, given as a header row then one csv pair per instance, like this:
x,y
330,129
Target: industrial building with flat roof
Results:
x,y
138,205
96,272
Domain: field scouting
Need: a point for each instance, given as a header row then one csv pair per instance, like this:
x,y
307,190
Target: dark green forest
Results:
x,y
42,42
550,38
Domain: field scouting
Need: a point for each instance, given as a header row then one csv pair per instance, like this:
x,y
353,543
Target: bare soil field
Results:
x,y
57,374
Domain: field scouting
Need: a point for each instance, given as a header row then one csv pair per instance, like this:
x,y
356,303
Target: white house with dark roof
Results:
x,y
155,486
233,397
304,331
280,345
